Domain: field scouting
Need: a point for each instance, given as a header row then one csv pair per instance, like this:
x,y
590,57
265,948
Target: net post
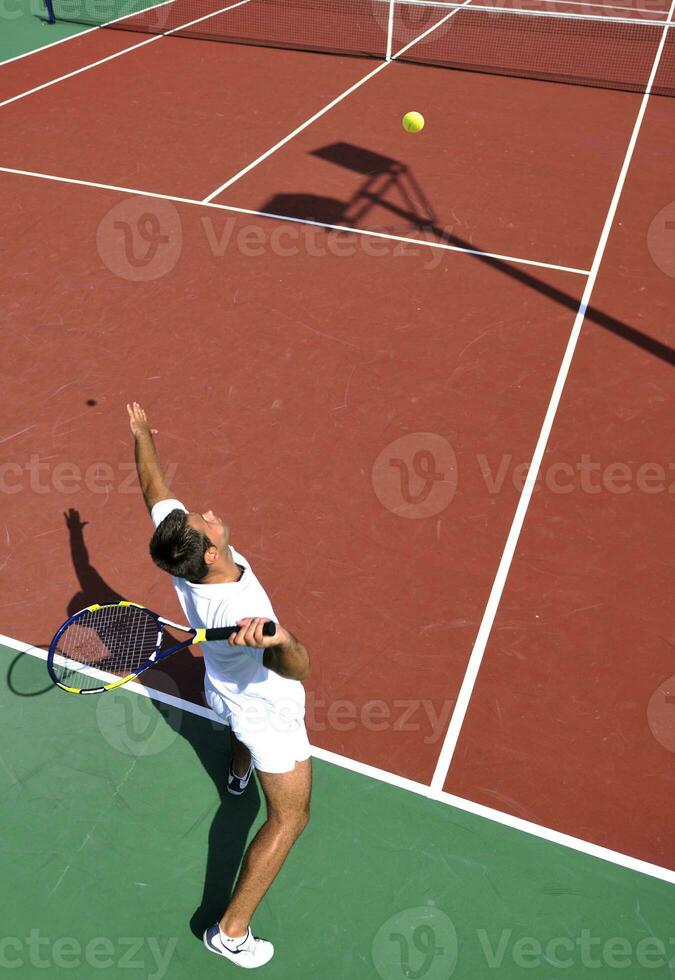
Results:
x,y
390,30
51,19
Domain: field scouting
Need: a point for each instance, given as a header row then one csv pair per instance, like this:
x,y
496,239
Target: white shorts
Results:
x,y
275,743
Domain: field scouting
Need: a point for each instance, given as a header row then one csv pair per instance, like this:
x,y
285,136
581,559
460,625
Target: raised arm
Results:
x,y
150,475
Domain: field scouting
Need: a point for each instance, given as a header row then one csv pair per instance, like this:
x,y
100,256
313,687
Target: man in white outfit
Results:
x,y
252,682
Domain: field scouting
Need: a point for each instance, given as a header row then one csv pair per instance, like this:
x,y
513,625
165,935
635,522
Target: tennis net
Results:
x,y
597,50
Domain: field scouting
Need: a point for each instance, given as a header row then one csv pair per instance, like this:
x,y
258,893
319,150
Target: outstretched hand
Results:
x,y
138,421
251,634
73,522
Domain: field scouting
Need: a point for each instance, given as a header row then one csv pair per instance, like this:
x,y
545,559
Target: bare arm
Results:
x,y
150,475
284,653
289,659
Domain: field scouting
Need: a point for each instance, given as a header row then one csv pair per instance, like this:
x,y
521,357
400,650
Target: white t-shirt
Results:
x,y
249,691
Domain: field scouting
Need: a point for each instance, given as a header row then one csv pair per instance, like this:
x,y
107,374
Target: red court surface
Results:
x,y
496,183
298,377
27,72
284,406
216,119
586,619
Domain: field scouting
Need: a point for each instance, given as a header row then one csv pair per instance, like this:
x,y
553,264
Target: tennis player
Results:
x,y
252,681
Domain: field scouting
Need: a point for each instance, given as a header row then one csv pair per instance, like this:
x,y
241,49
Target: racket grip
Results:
x,y
225,632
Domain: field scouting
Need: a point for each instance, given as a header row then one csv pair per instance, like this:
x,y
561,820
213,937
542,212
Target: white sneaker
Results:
x,y
250,952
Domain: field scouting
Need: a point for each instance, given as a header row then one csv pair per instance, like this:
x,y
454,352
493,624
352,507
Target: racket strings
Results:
x,y
114,640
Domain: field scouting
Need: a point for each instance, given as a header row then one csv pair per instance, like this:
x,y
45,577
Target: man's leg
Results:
x,y
287,795
241,757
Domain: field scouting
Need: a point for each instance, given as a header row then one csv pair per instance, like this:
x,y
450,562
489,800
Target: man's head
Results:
x,y
191,546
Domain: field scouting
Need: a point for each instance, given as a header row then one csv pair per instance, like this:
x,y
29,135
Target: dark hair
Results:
x,y
179,549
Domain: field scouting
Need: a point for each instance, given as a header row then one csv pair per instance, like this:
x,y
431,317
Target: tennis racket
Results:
x,y
102,647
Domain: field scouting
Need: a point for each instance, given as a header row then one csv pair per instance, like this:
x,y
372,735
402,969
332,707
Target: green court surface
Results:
x,y
124,846
24,27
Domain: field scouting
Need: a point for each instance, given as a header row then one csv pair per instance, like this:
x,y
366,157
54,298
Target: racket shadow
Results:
x,y
93,587
180,675
21,682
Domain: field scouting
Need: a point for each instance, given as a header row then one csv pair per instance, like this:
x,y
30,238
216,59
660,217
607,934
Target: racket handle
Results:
x,y
225,632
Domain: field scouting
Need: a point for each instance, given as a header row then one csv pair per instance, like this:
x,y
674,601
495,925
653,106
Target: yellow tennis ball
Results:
x,y
413,122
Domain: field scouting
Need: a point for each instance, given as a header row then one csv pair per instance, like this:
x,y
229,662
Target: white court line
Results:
x,y
410,785
71,37
602,6
489,6
466,690
430,30
317,115
88,30
52,44
529,13
433,792
118,54
515,260
298,129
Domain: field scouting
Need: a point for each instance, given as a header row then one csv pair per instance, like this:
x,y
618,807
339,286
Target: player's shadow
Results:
x,y
93,587
232,821
390,186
